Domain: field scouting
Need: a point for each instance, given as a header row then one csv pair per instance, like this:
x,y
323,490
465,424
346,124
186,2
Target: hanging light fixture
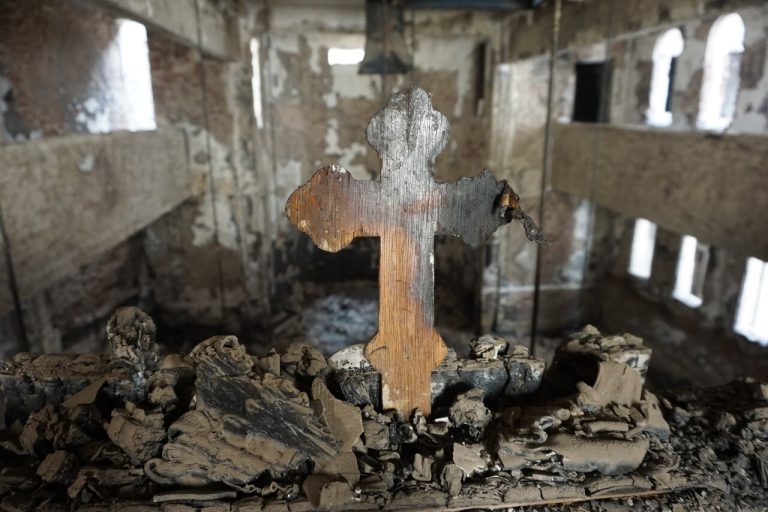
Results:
x,y
386,52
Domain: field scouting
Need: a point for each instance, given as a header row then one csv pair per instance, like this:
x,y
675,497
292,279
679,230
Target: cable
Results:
x,y
596,146
545,169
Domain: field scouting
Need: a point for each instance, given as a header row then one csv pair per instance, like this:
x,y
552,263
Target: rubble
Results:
x,y
343,419
304,360
131,335
237,428
326,493
138,433
31,381
451,479
469,458
500,372
222,429
488,347
469,410
625,348
58,467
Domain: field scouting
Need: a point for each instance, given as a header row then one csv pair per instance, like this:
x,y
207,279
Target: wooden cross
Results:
x,y
406,208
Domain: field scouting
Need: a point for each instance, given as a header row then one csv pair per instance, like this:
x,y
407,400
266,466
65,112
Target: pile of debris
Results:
x,y
297,431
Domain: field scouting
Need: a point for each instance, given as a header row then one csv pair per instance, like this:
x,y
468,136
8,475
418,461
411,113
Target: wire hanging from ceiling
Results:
x,y
546,163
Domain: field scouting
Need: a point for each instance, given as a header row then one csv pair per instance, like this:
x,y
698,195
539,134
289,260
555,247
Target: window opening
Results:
x,y
752,313
643,242
345,56
120,96
668,48
256,83
593,82
722,62
691,271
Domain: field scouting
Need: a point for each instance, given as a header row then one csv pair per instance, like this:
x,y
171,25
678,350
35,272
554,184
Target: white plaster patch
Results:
x,y
87,163
346,155
455,54
748,117
351,358
347,83
330,99
315,58
278,74
287,179
93,116
204,227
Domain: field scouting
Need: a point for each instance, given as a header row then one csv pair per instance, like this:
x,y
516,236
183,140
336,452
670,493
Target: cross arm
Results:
x,y
332,208
473,208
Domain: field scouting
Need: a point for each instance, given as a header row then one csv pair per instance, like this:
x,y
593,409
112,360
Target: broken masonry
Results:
x,y
219,425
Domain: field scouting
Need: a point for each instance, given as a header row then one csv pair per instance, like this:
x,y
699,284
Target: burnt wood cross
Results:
x,y
406,208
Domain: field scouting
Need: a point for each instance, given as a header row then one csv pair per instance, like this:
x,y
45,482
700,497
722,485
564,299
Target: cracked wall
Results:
x,y
594,257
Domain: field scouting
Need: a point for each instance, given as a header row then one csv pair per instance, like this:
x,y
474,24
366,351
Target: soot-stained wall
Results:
x,y
319,113
695,346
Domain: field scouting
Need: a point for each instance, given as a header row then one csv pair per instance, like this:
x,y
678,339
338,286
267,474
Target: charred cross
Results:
x,y
406,208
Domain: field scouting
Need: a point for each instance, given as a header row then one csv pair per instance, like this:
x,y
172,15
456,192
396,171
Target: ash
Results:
x,y
221,429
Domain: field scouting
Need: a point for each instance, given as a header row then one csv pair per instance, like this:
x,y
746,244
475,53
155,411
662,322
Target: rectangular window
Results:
x,y
120,94
593,85
691,270
345,56
752,314
136,76
643,242
256,83
481,75
671,84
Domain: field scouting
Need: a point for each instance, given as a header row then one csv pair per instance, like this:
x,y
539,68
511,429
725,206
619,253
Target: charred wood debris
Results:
x,y
219,429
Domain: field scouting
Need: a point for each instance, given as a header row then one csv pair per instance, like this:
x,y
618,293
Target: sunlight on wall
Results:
x,y
752,315
256,83
121,95
643,242
345,56
668,47
722,61
686,271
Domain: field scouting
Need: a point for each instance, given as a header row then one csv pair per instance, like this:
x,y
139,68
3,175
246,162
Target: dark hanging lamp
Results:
x,y
386,52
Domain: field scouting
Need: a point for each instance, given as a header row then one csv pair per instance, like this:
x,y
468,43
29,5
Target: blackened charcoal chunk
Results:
x,y
131,335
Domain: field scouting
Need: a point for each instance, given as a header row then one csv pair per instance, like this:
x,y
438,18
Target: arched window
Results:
x,y
668,47
691,271
720,84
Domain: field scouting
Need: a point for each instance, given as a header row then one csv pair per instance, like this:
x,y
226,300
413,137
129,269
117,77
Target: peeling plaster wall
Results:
x,y
692,347
208,270
200,265
592,244
228,260
517,149
631,55
53,82
319,113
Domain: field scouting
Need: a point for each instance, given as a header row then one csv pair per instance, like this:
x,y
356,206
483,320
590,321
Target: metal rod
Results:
x,y
545,169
